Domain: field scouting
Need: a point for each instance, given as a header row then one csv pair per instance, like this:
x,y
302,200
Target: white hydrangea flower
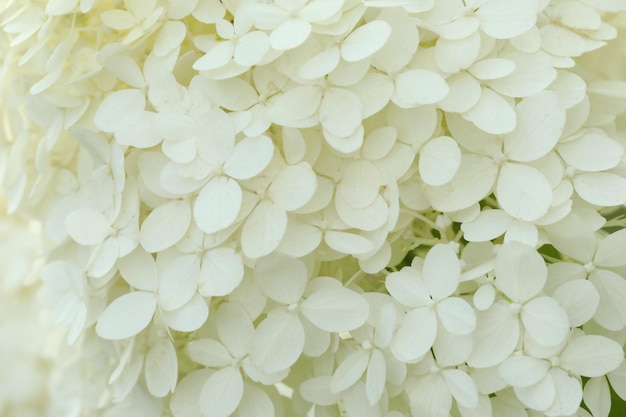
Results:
x,y
427,294
232,192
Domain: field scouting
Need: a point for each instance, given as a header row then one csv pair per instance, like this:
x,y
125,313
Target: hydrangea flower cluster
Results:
x,y
360,208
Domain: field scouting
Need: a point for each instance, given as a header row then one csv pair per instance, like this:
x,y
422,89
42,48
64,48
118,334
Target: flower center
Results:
x,y
589,267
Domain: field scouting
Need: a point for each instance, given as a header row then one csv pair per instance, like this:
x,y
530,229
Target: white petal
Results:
x,y
139,270
592,356
171,34
523,191
281,277
290,34
374,91
521,272
115,19
105,257
379,143
347,74
317,391
597,397
461,27
249,157
539,396
456,315
365,41
87,226
235,328
441,271
464,93
569,87
611,250
592,152
218,56
617,378
277,342
419,86
126,316
504,19
540,122
408,288
487,226
294,145
357,403
348,243
484,408
174,127
580,299
439,160
368,218
255,402
217,204
561,41
461,386
523,371
569,394
165,226
318,11
138,131
321,64
222,392
233,94
574,237
161,368
601,188
453,56
335,309
267,16
430,397
188,318
263,230
398,52
611,312
484,297
184,402
349,371
117,109
472,182
251,47
209,352
492,68
295,104
300,239
581,16
340,111
545,321
346,144
293,187
125,68
376,377
522,231
492,113
416,334
360,183
533,73
178,282
222,271
316,340
496,336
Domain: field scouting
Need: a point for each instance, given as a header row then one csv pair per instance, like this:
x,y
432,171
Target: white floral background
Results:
x,y
361,208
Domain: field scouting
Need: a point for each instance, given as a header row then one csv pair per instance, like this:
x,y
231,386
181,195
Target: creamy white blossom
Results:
x,y
365,208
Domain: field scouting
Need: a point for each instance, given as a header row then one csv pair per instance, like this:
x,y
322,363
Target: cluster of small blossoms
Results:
x,y
360,208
